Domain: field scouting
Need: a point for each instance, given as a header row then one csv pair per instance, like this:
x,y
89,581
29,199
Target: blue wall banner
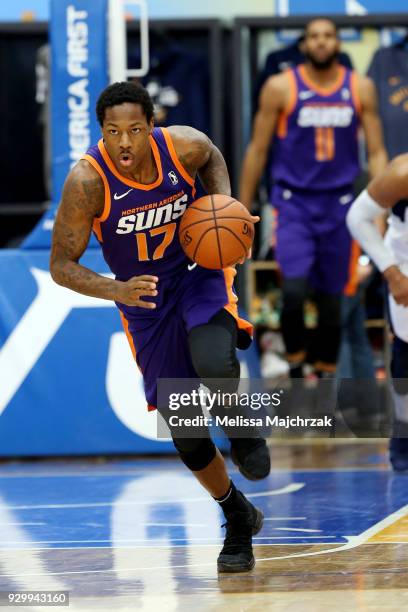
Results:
x,y
79,72
69,385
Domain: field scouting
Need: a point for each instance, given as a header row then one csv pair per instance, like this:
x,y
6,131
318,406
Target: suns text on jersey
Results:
x,y
335,115
152,215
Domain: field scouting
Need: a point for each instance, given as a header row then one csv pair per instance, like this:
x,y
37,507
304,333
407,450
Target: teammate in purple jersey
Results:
x,y
314,113
181,320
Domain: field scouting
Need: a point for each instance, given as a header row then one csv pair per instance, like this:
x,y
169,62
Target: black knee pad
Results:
x,y
212,348
399,366
328,332
217,361
195,453
294,292
329,307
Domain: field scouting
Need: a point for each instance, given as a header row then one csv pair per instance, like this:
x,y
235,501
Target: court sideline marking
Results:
x,y
353,542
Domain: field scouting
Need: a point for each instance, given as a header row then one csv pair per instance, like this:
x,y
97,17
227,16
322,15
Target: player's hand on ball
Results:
x,y
398,285
249,252
247,256
132,291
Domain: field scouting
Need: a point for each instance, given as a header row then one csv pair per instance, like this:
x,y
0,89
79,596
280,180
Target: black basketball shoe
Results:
x,y
251,456
236,554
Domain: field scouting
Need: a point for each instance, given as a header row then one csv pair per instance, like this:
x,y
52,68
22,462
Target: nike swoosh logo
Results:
x,y
305,95
122,195
191,266
346,199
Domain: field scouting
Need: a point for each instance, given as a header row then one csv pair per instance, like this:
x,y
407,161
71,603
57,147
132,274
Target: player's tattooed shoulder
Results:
x,y
192,146
84,189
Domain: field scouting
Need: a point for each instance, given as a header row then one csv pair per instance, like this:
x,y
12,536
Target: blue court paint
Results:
x,y
161,504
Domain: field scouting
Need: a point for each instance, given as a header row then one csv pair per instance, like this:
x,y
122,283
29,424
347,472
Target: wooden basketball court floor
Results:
x,y
140,534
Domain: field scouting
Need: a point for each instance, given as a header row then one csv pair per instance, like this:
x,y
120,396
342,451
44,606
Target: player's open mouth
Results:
x,y
125,159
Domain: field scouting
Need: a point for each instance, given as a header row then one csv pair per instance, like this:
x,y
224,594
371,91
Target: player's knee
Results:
x,y
399,366
213,356
217,367
294,291
196,453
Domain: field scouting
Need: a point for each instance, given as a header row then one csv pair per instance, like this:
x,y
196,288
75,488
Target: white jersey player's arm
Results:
x,y
383,192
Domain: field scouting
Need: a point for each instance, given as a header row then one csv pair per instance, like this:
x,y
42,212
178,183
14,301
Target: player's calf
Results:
x,y
243,520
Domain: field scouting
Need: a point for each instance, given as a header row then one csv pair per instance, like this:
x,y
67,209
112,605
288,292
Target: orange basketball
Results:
x,y
216,231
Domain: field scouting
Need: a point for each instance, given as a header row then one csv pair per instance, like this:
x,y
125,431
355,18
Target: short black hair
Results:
x,y
323,18
119,93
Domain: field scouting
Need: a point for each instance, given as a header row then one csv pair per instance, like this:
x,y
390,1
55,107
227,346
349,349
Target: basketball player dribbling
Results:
x,y
313,112
181,320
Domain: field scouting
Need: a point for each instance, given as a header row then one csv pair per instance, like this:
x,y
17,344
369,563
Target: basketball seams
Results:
x,y
237,237
185,227
218,208
216,231
226,204
210,229
234,217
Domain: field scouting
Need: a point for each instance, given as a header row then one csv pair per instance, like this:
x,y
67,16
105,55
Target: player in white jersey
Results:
x,y
389,190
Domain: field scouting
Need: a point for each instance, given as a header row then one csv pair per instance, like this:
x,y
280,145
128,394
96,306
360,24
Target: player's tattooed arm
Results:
x,y
82,201
212,168
198,155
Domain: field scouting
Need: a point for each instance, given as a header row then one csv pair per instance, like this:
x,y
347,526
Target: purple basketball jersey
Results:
x,y
316,145
138,229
